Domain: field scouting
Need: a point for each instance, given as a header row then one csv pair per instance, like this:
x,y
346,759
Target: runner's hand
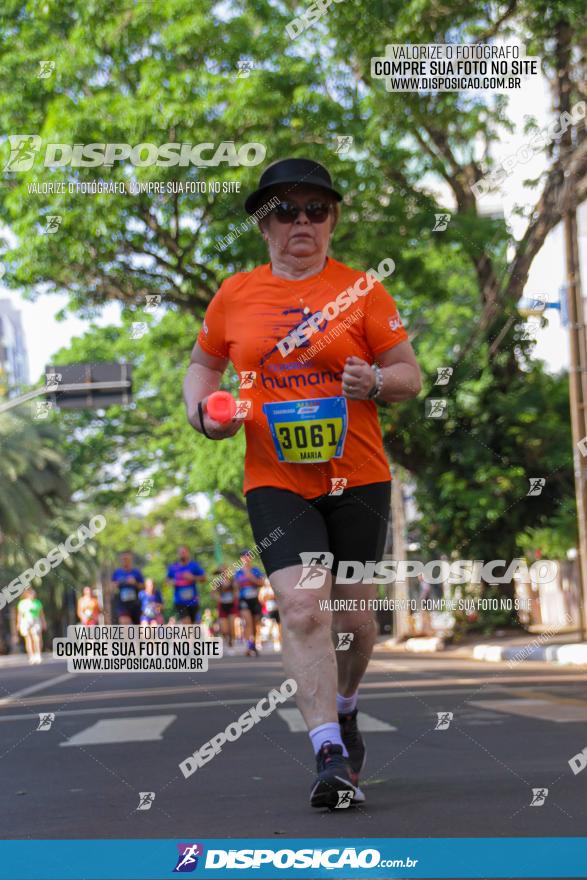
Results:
x,y
357,379
215,430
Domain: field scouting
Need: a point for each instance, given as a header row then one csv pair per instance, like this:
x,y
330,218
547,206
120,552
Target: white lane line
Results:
x,y
367,723
119,730
545,710
41,686
197,704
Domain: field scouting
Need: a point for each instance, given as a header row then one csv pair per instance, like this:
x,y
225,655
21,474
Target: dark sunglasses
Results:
x,y
288,212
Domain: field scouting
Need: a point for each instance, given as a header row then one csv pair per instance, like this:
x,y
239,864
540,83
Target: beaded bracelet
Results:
x,y
375,391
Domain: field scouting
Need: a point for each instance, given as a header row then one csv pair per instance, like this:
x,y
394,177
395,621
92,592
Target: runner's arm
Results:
x,y
202,379
401,374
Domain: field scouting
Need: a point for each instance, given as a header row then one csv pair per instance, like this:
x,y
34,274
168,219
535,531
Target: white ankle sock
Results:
x,y
344,705
329,732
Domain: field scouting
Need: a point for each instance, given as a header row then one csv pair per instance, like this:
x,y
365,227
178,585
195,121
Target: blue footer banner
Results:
x,y
482,857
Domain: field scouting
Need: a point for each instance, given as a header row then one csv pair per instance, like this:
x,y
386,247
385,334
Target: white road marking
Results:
x,y
40,686
197,704
118,730
546,710
368,724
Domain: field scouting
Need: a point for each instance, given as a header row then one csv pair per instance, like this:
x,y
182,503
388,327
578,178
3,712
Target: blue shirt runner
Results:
x,y
185,593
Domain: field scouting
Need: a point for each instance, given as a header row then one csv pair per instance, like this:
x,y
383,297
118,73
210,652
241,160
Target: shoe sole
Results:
x,y
325,792
359,797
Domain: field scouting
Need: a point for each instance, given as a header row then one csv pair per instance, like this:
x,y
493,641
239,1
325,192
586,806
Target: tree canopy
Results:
x,y
168,72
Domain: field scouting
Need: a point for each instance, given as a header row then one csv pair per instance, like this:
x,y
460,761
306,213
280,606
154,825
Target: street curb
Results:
x,y
573,654
564,655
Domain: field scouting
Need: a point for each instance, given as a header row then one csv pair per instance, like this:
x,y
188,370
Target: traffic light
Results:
x,y
89,386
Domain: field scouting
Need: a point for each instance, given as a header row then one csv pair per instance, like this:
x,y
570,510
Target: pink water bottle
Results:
x,y
221,406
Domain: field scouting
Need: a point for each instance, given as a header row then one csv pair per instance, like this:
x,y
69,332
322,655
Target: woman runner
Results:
x,y
319,342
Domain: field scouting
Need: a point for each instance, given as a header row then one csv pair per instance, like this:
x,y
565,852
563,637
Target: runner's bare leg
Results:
x,y
307,648
353,663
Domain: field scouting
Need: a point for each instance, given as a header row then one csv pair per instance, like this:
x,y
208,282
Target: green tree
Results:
x,y
159,73
36,514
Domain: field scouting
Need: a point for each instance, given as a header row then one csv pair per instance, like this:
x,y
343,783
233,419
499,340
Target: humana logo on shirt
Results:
x,y
335,307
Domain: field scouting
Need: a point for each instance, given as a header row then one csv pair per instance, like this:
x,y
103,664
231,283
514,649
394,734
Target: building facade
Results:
x,y
14,369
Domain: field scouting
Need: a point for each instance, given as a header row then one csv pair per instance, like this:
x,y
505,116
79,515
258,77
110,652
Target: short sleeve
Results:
x,y
212,336
257,572
170,572
139,576
196,568
383,325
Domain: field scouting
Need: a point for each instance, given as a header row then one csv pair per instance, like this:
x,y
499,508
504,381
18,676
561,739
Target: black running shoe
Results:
x,y
333,785
354,742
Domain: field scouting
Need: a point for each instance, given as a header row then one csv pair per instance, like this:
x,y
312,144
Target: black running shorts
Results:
x,y
351,526
190,611
253,605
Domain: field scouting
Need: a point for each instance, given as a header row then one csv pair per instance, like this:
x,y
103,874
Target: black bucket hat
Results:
x,y
291,171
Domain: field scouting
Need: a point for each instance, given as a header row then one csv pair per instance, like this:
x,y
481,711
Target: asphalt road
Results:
x,y
474,779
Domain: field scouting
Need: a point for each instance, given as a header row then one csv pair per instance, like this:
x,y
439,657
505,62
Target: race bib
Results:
x,y
128,594
270,604
186,594
226,598
308,431
249,592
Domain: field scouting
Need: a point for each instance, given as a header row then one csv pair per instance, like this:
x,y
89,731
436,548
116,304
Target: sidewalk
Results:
x,y
21,659
563,649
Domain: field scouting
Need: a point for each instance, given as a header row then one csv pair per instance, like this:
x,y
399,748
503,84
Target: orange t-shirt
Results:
x,y
256,319
88,608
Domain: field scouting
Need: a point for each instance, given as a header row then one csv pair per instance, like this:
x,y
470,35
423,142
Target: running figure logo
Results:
x,y
314,569
441,222
138,329
42,409
146,799
244,69
53,223
436,409
337,485
539,795
444,374
152,301
23,149
46,719
247,378
344,143
243,409
52,380
187,861
46,68
344,641
345,799
444,719
536,485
